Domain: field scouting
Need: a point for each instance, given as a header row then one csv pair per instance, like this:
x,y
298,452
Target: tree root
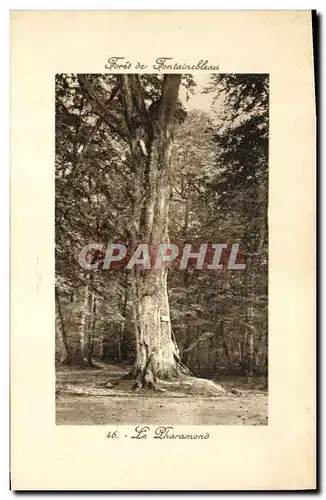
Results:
x,y
194,386
181,382
137,386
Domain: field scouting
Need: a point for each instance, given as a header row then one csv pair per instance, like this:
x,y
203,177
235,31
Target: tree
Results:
x,y
242,184
148,132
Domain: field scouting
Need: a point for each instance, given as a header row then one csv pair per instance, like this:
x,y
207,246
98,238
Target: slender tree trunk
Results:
x,y
66,359
266,363
210,351
91,328
82,326
185,351
244,351
251,343
119,346
225,345
240,353
187,217
121,340
101,347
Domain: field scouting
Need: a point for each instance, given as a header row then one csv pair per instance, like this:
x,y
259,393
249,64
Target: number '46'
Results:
x,y
112,435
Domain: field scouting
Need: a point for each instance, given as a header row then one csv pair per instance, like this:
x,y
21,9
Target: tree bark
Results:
x,y
121,334
101,347
150,146
66,359
82,326
157,353
91,328
251,344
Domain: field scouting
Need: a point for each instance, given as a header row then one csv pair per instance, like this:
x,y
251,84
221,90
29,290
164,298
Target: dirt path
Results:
x,y
95,410
247,407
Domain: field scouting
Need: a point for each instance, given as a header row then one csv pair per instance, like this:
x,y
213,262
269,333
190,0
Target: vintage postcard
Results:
x,y
163,190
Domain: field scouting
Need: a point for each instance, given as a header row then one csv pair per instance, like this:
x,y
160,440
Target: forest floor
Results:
x,y
83,398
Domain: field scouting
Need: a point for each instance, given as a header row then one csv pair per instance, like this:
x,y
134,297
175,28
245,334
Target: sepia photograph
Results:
x,y
161,248
163,187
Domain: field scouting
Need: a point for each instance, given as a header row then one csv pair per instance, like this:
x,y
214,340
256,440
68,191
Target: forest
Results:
x,y
136,162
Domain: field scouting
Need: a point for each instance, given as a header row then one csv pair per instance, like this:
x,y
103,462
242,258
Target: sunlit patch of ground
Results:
x,y
83,399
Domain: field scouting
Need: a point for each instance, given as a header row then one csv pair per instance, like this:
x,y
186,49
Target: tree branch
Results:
x,y
138,97
127,102
91,136
100,107
133,102
204,336
168,100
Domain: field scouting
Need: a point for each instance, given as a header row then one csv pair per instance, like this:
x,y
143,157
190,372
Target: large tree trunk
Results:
x,y
148,133
157,352
150,146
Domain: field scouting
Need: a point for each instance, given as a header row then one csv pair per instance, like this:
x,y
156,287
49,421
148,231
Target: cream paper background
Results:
x,y
278,456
